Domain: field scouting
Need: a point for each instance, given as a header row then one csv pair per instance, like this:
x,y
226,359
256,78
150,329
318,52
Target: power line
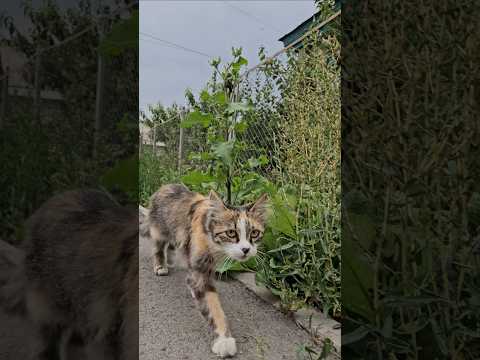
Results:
x,y
171,44
249,14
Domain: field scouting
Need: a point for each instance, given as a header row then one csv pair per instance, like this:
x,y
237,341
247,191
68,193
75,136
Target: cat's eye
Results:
x,y
231,233
255,233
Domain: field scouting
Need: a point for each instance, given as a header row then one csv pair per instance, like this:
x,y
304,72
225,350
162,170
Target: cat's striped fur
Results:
x,y
205,231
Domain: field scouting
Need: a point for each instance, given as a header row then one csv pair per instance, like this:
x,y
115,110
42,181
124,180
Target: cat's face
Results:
x,y
237,231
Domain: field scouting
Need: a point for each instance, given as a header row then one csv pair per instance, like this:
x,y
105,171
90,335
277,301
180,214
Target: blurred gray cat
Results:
x,y
79,278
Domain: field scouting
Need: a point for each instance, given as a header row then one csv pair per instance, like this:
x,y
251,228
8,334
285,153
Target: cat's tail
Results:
x,y
12,279
143,225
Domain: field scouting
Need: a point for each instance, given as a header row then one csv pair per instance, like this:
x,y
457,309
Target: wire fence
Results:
x,y
261,137
68,109
70,83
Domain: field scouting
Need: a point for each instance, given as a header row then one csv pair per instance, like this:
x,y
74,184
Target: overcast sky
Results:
x,y
208,27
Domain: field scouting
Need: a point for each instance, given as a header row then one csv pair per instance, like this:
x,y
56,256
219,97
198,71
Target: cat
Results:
x,y
80,277
204,230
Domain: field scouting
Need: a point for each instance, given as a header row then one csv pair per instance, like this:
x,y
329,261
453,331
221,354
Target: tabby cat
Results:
x,y
205,230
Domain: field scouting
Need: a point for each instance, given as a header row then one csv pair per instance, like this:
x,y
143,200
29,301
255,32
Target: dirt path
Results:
x,y
172,329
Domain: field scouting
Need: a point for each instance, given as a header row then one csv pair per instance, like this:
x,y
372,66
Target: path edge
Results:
x,y
321,326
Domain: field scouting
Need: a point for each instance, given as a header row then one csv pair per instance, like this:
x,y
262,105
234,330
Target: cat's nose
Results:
x,y
245,250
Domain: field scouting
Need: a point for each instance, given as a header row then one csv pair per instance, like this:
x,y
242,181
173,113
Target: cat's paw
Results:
x,y
224,346
160,270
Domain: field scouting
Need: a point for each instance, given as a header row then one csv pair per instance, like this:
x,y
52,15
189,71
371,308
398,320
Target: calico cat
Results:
x,y
204,230
79,281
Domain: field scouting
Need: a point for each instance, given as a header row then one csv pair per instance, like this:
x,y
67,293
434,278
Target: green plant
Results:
x,y
297,164
219,116
305,352
410,182
154,171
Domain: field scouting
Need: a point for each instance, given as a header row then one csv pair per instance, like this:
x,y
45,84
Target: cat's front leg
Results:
x,y
209,305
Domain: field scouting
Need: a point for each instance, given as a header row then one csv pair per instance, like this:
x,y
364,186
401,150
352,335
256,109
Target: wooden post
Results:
x,y
231,136
180,143
3,110
140,142
154,143
99,94
37,86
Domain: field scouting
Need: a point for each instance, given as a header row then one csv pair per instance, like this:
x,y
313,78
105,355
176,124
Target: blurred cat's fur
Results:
x,y
78,277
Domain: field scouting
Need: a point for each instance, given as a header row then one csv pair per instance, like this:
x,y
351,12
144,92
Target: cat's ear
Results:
x,y
259,208
215,197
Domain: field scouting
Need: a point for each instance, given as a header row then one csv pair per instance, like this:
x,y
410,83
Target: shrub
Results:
x,y
306,262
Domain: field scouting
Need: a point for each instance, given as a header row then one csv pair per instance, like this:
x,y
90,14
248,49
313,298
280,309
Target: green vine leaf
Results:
x,y
196,178
223,151
239,63
220,98
197,118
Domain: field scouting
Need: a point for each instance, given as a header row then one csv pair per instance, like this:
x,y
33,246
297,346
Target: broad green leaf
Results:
x,y
250,265
123,36
357,275
283,219
223,151
220,98
197,118
239,63
229,266
123,176
196,178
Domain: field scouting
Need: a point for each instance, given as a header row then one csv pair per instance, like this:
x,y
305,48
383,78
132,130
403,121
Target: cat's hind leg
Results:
x,y
160,251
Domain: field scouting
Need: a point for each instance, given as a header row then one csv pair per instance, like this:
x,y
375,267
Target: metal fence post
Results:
x,y
37,86
180,143
99,94
3,110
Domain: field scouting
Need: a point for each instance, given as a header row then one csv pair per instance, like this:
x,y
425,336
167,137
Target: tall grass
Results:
x,y
155,170
306,269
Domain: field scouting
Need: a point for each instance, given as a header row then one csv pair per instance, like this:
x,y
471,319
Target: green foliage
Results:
x,y
410,185
300,102
154,172
305,352
122,37
197,118
298,166
123,177
219,115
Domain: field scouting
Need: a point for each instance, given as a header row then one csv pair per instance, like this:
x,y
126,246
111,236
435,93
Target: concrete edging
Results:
x,y
319,326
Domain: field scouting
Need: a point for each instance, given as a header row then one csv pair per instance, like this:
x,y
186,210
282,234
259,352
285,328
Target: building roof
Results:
x,y
301,29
